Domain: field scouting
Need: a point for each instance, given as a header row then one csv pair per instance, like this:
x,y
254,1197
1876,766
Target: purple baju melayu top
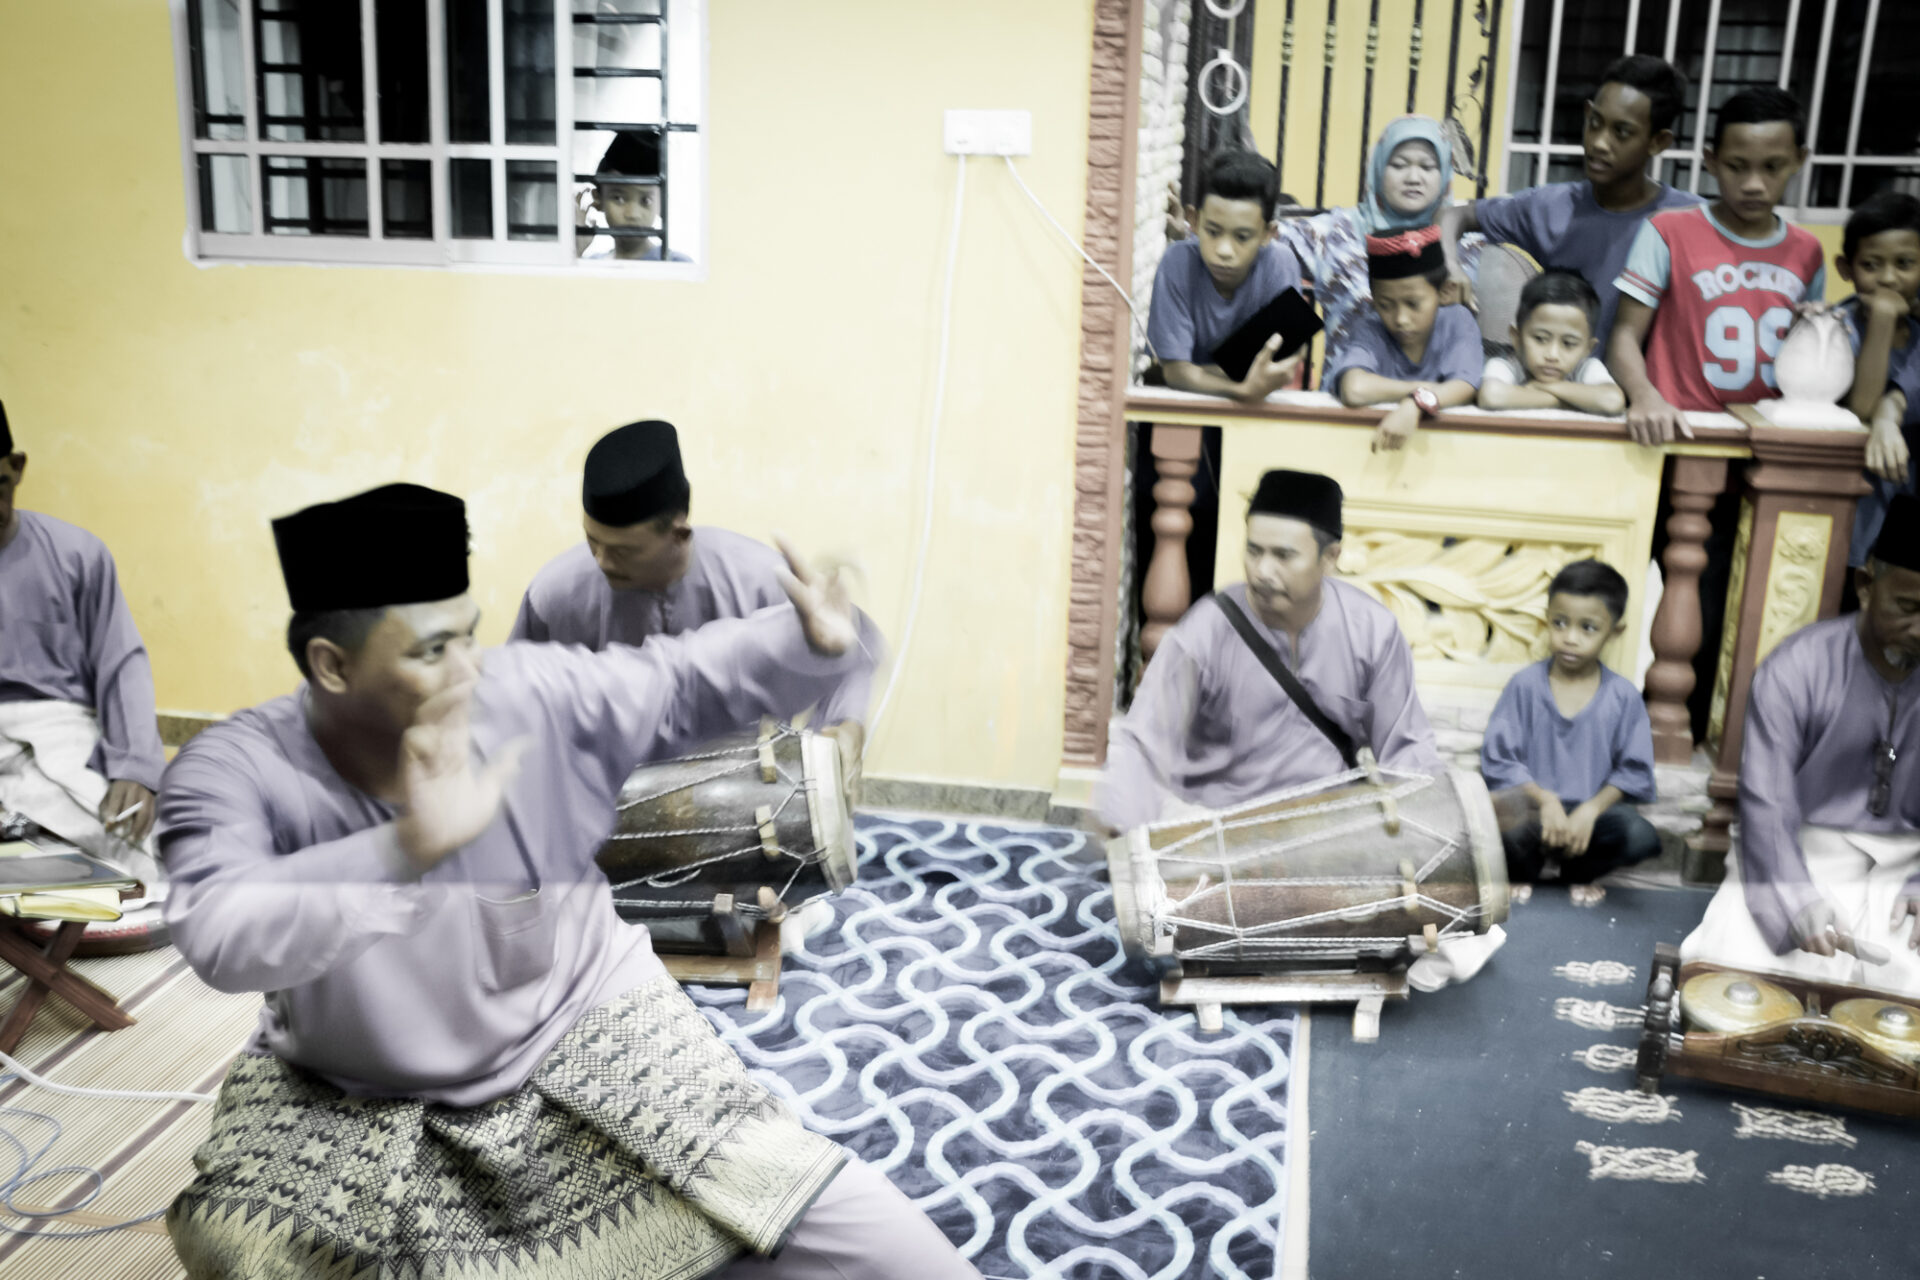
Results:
x,y
451,986
1609,743
66,636
728,576
1816,709
1210,724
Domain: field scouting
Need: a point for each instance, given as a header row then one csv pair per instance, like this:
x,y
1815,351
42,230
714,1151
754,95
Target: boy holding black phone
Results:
x,y
1209,287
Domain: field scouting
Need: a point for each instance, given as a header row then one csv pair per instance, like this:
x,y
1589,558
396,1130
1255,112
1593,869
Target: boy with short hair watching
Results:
x,y
1710,291
1880,258
1210,284
1586,227
1553,365
1415,346
1569,748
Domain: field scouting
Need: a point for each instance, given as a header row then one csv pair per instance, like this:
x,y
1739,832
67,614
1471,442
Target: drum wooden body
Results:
x,y
738,815
1316,879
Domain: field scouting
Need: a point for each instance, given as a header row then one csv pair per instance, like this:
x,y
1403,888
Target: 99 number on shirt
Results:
x,y
1737,342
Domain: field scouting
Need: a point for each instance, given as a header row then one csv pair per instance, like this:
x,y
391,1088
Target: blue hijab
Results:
x,y
1372,214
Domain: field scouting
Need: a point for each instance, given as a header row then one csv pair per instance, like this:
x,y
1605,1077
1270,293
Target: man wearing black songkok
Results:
x,y
644,570
1210,725
1827,881
466,1063
80,747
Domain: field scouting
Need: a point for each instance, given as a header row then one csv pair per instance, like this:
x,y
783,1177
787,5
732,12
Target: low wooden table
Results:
x,y
46,972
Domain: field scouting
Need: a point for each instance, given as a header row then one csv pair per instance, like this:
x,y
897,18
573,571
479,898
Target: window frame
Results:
x,y
1691,159
441,251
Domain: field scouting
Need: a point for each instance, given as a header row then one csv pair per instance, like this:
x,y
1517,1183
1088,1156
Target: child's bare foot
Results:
x,y
1586,895
1519,892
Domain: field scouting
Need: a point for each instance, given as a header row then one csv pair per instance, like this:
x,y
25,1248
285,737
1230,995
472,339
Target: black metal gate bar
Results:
x,y
1326,99
1483,161
1366,94
1413,53
1286,86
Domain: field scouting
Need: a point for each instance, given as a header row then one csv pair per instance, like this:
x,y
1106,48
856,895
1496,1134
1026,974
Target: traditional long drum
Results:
x,y
1340,876
702,835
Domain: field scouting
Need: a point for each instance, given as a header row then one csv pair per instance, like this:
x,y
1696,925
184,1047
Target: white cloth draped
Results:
x,y
44,749
1862,875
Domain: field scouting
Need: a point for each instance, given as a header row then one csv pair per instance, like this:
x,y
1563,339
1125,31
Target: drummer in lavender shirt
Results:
x,y
1827,881
645,571
75,686
1209,724
463,1051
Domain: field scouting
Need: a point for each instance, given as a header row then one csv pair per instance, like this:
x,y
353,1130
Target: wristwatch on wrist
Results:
x,y
1426,401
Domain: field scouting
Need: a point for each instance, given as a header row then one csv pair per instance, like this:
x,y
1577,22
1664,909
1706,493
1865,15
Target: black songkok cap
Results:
x,y
1899,540
633,474
1405,254
631,154
1299,495
398,544
6,433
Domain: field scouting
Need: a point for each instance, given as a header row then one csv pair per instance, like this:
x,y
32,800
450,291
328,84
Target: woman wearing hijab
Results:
x,y
1408,177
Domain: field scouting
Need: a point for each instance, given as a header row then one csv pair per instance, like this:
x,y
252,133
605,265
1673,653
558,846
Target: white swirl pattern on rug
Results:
x,y
971,1027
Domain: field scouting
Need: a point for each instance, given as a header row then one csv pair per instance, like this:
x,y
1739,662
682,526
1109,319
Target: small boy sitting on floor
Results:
x,y
1415,346
1553,365
1569,748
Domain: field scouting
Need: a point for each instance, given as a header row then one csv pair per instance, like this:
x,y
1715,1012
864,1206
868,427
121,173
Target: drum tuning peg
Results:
x,y
771,904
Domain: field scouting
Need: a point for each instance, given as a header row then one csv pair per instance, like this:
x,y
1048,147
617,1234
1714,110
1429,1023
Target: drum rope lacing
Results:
x,y
741,760
1169,917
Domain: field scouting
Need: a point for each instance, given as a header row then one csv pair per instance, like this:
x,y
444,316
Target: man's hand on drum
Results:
x,y
1817,929
820,598
1906,910
448,802
851,737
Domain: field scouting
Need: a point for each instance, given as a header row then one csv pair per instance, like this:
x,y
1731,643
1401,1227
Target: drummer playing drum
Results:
x,y
1213,724
644,571
1827,879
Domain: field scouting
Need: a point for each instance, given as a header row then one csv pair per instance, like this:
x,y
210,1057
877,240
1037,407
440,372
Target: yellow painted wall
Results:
x,y
174,409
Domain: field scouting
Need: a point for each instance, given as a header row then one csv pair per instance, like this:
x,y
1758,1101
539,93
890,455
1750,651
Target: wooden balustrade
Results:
x,y
1796,521
1677,624
1789,558
1166,589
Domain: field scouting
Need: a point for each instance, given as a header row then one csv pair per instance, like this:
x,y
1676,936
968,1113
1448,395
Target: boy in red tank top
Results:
x,y
1710,291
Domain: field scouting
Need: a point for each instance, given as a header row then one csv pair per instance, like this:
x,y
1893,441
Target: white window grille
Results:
x,y
1851,63
443,132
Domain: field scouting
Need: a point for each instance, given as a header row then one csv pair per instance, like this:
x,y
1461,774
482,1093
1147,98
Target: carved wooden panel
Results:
x,y
1466,600
1091,611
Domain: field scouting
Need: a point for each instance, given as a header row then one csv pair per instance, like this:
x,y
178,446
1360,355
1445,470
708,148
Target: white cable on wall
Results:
x,y
939,410
1133,312
933,454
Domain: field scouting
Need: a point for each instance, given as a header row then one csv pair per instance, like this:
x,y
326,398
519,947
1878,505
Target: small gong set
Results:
x,y
1817,1041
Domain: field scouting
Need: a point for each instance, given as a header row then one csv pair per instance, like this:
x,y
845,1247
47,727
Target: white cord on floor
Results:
x,y
929,495
127,1095
25,1173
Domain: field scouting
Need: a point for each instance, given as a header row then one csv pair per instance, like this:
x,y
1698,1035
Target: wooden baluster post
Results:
x,y
1799,520
1167,589
1676,623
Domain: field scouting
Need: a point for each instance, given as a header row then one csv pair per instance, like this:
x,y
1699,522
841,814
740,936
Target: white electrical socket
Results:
x,y
989,133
